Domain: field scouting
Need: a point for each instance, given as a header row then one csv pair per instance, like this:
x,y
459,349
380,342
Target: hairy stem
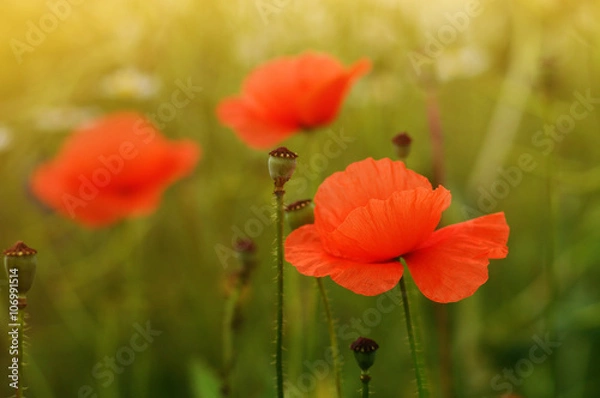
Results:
x,y
439,175
365,379
20,349
228,333
414,342
337,366
437,137
279,219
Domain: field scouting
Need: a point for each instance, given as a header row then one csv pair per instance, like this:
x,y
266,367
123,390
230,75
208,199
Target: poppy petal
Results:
x,y
359,183
116,167
452,263
252,126
368,279
385,229
286,88
286,95
315,69
322,105
273,89
304,251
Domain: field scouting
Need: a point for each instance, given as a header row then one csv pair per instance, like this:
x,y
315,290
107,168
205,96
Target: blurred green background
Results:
x,y
498,71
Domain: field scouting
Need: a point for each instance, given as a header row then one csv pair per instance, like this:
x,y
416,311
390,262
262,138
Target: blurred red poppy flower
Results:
x,y
374,212
289,94
114,168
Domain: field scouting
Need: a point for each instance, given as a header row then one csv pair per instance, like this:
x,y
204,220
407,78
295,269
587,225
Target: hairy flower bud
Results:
x,y
364,352
300,213
282,163
402,143
20,262
246,250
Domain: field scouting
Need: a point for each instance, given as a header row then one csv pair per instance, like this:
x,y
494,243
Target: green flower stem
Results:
x,y
337,366
228,332
279,219
437,137
414,342
549,247
365,379
20,341
439,177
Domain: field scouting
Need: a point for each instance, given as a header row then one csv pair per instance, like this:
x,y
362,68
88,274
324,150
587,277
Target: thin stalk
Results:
x,y
337,366
228,332
20,349
437,137
439,177
279,219
365,379
549,247
282,163
232,320
414,342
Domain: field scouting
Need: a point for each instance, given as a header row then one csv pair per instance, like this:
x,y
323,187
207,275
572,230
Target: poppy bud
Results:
x,y
402,143
364,352
246,250
23,259
282,163
300,213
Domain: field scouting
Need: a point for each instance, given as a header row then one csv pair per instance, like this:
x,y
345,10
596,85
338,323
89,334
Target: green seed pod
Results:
x,y
402,143
364,352
282,163
20,262
300,213
246,251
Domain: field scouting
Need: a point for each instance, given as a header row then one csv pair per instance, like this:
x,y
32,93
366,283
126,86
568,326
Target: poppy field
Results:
x,y
276,198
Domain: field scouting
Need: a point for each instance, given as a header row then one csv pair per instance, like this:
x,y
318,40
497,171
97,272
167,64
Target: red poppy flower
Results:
x,y
289,94
374,212
114,168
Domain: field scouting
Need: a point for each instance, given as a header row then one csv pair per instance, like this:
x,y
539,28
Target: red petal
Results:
x,y
286,95
452,264
321,105
114,168
344,191
385,229
252,125
287,87
274,89
47,184
303,250
368,279
156,165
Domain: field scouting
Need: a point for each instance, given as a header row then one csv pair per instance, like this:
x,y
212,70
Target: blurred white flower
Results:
x,y
63,118
6,136
462,62
129,83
